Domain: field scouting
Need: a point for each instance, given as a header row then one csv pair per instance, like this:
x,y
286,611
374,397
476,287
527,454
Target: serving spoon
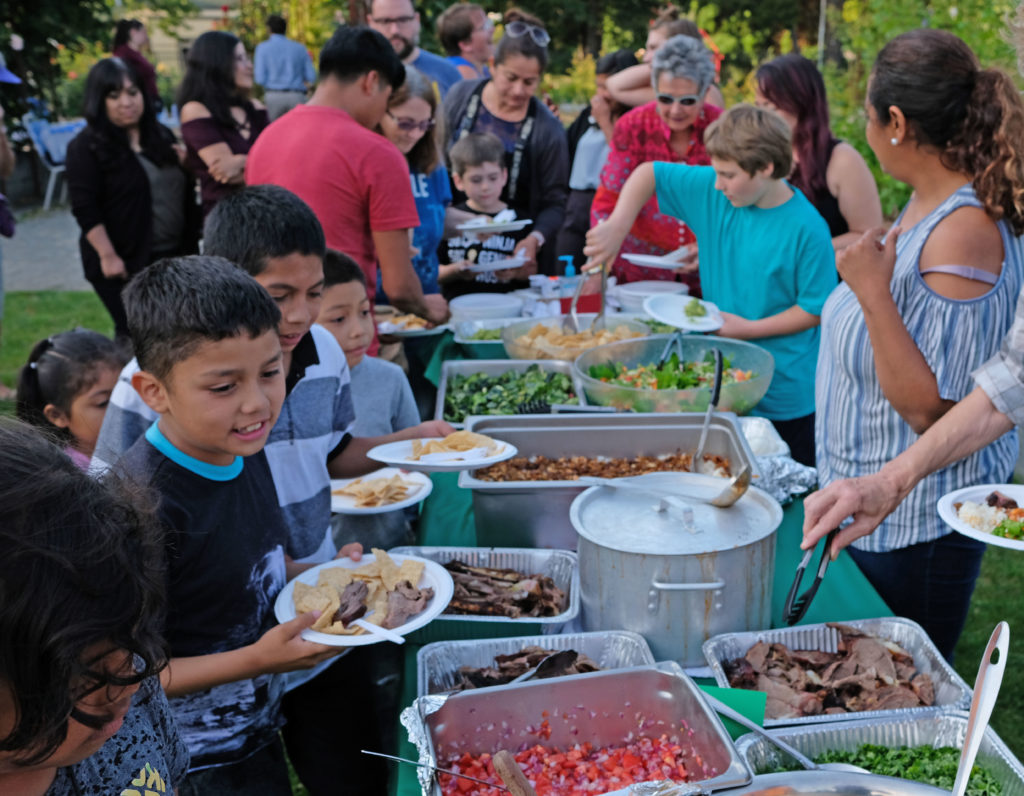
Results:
x,y
732,492
796,754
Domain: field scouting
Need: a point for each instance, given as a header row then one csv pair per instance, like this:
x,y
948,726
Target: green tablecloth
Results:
x,y
447,349
447,519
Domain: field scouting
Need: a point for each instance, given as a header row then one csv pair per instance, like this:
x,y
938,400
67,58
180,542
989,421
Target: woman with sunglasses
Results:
x,y
536,154
830,173
219,121
669,129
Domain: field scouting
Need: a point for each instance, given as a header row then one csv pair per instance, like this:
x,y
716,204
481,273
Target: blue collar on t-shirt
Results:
x,y
212,472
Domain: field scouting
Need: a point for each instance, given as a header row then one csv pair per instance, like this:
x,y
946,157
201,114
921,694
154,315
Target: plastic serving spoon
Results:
x,y
796,754
986,689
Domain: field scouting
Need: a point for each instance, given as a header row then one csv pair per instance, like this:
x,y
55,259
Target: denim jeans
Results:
x,y
930,582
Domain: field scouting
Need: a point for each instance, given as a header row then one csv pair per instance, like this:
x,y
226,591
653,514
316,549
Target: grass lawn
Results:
x,y
999,594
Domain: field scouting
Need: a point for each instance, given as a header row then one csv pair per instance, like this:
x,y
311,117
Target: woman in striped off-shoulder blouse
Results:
x,y
921,306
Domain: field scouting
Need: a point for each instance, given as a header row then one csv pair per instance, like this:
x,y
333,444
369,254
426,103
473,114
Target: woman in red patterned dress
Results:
x,y
671,129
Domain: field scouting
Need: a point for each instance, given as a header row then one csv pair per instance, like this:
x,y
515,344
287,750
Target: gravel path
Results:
x,y
43,254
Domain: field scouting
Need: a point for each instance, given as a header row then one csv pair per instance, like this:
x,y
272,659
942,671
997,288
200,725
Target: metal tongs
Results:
x,y
573,321
796,607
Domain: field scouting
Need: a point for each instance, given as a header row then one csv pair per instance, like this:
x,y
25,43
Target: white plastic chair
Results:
x,y
50,140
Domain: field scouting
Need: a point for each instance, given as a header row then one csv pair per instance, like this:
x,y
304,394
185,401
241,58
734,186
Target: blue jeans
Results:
x,y
930,582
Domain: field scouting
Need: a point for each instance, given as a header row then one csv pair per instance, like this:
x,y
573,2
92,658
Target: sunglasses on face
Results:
x,y
686,100
518,28
408,125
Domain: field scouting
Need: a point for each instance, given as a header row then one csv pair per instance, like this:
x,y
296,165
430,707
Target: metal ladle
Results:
x,y
796,754
986,689
732,492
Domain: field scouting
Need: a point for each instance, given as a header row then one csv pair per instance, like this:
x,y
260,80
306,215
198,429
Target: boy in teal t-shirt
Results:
x,y
766,256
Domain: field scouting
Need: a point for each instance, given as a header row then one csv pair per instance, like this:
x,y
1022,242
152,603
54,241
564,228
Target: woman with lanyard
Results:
x,y
536,154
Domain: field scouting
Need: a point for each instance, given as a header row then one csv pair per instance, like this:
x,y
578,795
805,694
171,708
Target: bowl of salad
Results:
x,y
547,338
626,375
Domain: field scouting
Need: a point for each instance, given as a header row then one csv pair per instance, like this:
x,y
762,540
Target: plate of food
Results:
x,y
502,264
671,261
990,513
397,592
684,312
387,489
494,225
409,326
460,450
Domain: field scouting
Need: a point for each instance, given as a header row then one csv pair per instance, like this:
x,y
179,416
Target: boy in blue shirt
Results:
x,y
206,339
766,258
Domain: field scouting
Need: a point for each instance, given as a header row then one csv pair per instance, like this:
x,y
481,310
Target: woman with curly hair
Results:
x,y
921,306
219,121
829,172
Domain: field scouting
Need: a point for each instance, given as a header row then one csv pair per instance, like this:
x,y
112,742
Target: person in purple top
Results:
x,y
219,120
130,38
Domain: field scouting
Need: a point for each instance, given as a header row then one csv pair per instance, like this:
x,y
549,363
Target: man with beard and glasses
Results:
x,y
399,22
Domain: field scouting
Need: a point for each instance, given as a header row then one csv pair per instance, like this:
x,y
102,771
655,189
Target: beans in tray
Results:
x,y
570,468
489,591
480,394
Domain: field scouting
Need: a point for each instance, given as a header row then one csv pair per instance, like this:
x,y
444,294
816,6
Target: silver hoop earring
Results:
x,y
894,142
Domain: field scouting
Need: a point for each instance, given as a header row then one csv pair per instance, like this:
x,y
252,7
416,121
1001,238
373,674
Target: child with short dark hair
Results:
x,y
766,256
478,170
206,340
65,387
81,707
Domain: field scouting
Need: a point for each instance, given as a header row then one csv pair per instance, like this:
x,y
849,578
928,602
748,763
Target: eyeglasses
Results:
x,y
538,34
685,100
385,21
408,125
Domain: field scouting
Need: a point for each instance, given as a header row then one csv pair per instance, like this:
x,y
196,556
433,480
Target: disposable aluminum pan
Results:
x,y
536,513
437,664
603,708
951,692
945,729
560,565
495,367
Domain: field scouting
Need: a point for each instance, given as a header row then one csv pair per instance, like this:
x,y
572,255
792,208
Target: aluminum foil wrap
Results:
x,y
784,478
417,730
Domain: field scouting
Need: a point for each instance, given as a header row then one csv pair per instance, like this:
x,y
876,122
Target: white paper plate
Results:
x,y
397,455
386,327
344,504
496,265
671,309
977,494
653,261
501,226
434,575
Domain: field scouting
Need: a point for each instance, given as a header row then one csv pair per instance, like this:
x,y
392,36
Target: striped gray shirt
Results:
x,y
857,429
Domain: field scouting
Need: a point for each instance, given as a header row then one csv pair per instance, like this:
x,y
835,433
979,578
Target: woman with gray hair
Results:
x,y
669,129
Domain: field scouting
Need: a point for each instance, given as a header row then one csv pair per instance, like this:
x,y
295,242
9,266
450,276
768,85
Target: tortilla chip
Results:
x,y
411,571
316,598
338,577
370,571
388,568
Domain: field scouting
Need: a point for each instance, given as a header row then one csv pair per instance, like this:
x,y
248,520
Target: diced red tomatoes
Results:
x,y
579,771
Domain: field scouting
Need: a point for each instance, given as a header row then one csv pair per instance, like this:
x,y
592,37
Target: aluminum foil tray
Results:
x,y
438,663
560,565
603,708
945,729
951,692
495,367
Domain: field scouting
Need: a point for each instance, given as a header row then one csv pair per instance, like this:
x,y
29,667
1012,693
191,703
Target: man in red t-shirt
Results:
x,y
354,179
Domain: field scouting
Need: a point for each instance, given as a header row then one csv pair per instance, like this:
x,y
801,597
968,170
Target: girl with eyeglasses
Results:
x,y
536,154
671,128
219,120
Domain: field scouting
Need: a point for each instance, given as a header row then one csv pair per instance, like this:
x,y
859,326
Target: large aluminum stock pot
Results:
x,y
677,572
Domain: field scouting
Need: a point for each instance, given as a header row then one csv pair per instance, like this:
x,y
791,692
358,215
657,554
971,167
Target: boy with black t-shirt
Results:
x,y
478,170
205,336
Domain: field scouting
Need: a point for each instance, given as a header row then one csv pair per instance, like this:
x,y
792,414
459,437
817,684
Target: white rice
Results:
x,y
981,515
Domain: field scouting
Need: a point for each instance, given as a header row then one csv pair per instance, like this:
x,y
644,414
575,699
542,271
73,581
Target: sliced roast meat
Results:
x,y
353,603
405,601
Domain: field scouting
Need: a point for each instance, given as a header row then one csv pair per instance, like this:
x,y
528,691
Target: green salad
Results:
x,y
485,334
928,764
657,327
480,394
673,375
1010,529
695,309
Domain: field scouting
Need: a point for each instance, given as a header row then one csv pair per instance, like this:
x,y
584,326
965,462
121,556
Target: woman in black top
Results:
x,y
535,148
829,172
129,193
